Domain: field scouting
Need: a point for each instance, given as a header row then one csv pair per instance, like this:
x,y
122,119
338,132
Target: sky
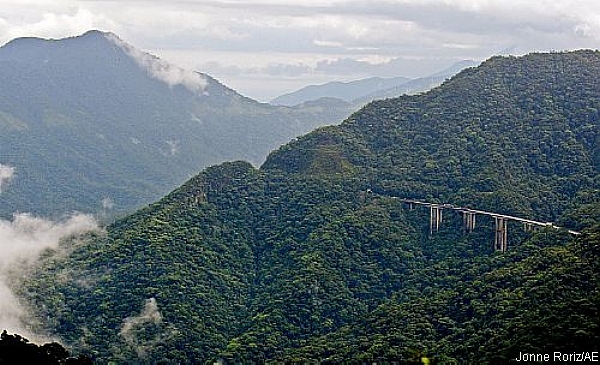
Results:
x,y
265,48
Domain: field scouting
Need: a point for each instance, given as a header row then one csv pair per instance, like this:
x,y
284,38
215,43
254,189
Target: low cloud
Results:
x,y
170,74
108,203
6,173
21,242
134,329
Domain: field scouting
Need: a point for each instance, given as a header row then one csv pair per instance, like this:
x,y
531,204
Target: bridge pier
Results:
x,y
468,221
435,218
501,234
501,220
528,227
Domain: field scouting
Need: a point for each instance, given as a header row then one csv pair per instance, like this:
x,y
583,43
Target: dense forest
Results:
x,y
311,259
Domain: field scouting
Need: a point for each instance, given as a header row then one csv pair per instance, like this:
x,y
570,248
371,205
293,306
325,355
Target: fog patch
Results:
x,y
170,74
145,331
6,173
21,242
107,203
173,147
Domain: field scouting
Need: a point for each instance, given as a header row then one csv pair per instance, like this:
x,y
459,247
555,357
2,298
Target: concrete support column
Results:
x,y
501,234
435,218
468,221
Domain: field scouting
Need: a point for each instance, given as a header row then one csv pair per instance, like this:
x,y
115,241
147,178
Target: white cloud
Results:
x,y
21,242
170,74
149,317
173,147
149,314
322,43
511,15
49,24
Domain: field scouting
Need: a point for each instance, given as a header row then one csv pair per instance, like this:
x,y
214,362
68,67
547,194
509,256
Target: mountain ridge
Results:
x,y
296,262
90,118
360,92
346,91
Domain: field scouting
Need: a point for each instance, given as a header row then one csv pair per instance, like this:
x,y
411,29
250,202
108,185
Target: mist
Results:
x,y
6,173
134,327
21,242
170,74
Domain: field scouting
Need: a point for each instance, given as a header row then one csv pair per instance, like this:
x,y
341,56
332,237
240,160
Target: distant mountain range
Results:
x,y
92,124
347,91
360,92
418,85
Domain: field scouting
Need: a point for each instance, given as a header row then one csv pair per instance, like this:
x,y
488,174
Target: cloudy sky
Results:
x,y
264,48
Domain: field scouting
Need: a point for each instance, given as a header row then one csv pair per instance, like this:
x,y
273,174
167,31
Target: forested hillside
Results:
x,y
92,124
310,258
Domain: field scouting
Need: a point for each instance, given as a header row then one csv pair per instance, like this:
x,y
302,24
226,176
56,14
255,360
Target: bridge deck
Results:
x,y
483,212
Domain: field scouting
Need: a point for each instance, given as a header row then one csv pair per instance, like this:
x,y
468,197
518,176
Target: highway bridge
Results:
x,y
500,220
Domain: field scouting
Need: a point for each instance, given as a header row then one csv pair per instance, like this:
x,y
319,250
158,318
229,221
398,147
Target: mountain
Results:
x,y
314,257
418,85
360,92
525,304
92,124
347,91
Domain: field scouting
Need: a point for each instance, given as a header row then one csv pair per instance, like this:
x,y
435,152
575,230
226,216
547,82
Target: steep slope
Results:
x,y
231,255
312,258
513,135
90,119
538,299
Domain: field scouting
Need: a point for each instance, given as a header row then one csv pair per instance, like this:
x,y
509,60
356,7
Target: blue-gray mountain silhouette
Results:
x,y
86,121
